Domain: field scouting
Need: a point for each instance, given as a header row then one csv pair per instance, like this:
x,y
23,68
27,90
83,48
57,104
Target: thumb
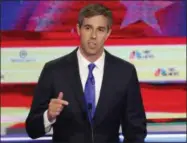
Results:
x,y
60,95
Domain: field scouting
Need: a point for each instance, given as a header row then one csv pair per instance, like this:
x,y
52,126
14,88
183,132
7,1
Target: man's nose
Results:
x,y
93,34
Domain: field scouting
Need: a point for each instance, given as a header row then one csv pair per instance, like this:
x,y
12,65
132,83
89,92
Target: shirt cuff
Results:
x,y
47,123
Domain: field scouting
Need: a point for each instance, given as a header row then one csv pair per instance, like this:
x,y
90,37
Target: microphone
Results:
x,y
90,118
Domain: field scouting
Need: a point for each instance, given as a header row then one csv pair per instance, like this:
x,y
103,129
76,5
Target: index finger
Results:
x,y
60,95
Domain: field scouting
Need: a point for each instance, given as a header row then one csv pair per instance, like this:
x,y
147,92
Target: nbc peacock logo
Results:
x,y
141,55
166,72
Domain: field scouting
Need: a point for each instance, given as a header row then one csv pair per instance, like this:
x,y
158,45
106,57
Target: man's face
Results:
x,y
93,33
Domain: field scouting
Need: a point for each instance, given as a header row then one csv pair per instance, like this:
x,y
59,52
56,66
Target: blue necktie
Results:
x,y
90,92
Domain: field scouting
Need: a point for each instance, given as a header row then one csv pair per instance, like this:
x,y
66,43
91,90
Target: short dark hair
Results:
x,y
94,10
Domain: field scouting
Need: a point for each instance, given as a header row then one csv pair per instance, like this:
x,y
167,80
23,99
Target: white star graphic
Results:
x,y
46,19
143,10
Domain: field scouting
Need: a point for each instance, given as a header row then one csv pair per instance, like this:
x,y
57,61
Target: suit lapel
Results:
x,y
105,96
75,80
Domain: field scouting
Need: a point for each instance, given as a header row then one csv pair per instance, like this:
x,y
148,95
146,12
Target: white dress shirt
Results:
x,y
83,70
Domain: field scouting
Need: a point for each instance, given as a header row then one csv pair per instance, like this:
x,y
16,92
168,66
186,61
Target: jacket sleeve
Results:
x,y
133,116
42,95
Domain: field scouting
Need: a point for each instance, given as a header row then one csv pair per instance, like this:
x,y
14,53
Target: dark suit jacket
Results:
x,y
120,102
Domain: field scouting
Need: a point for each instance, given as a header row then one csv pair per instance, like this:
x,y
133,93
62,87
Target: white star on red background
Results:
x,y
143,10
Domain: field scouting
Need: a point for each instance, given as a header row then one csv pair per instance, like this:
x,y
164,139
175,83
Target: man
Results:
x,y
85,95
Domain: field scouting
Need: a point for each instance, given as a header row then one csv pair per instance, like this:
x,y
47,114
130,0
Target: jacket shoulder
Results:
x,y
121,63
59,62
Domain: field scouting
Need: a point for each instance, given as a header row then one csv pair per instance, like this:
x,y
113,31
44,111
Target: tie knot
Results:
x,y
91,67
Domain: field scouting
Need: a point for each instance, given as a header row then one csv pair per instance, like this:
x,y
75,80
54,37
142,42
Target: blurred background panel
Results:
x,y
131,18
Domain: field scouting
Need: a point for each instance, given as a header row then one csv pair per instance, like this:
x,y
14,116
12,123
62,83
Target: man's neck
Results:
x,y
91,58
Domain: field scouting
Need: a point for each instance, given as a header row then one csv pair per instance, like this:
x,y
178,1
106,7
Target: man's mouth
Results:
x,y
92,44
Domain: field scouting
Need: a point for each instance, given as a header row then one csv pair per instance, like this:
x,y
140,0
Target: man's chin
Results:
x,y
92,51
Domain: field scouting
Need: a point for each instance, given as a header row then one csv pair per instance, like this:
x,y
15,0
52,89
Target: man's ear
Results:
x,y
78,29
108,34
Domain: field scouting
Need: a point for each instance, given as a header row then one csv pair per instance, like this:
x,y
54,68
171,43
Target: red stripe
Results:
x,y
156,98
48,43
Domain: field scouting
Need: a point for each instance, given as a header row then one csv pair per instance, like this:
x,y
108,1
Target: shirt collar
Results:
x,y
99,62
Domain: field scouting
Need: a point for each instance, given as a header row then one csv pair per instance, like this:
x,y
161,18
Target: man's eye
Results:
x,y
101,29
87,28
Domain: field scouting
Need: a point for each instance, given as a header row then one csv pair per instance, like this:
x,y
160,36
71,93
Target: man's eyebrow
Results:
x,y
87,25
100,27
